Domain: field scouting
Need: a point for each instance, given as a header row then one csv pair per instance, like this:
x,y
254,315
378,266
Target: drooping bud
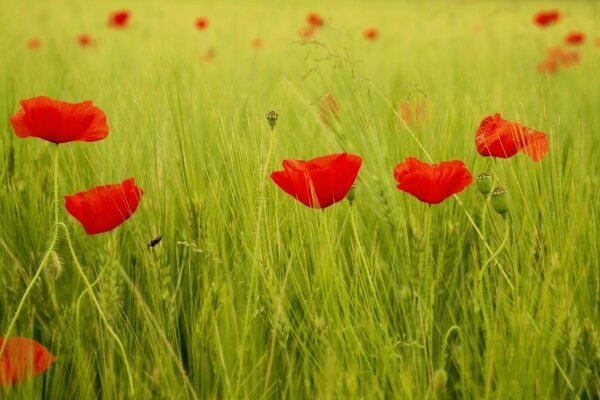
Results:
x,y
351,194
484,183
54,266
500,200
440,379
272,118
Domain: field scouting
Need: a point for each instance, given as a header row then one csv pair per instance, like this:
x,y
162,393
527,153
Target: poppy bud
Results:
x,y
440,378
54,266
484,183
500,200
351,194
272,118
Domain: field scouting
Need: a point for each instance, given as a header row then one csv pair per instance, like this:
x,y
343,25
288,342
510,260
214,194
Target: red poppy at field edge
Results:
x,y
103,208
545,18
370,33
34,43
432,183
201,23
314,19
58,121
119,19
84,40
497,137
575,38
320,182
22,359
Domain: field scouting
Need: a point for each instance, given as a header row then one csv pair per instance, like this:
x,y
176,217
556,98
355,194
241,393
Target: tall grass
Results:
x,y
362,301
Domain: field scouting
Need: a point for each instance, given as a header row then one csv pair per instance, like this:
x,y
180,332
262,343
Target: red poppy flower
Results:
x,y
548,66
545,18
58,121
34,43
306,32
597,42
22,359
256,43
575,38
103,208
84,40
432,183
314,19
320,182
119,19
370,33
500,138
329,109
412,117
201,23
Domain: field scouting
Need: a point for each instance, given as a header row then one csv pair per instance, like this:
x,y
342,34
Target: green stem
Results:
x,y
502,245
256,255
98,308
443,355
483,223
53,242
56,208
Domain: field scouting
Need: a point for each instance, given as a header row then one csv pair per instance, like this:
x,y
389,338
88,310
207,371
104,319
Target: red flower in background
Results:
x,y
320,182
545,18
119,19
103,208
563,57
306,32
432,183
548,66
575,38
201,23
597,42
329,110
84,40
500,138
314,20
34,43
22,359
370,33
256,43
414,115
58,121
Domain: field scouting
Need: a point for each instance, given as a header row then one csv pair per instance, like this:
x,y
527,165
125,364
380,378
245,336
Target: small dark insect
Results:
x,y
155,241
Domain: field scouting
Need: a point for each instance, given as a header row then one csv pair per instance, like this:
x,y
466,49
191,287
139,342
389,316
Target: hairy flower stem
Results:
x,y
483,224
51,246
256,256
90,292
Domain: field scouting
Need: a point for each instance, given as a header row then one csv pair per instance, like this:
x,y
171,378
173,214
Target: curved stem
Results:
x,y
502,245
53,242
443,355
97,305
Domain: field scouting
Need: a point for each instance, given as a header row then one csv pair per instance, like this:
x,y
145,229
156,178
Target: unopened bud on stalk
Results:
x,y
500,200
351,194
54,266
440,379
484,183
272,118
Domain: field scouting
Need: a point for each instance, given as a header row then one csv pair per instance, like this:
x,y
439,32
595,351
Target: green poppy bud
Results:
x,y
484,183
272,118
440,379
54,266
500,200
351,194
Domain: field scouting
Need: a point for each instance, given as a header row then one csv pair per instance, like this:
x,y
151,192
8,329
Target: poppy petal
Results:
x,y
22,359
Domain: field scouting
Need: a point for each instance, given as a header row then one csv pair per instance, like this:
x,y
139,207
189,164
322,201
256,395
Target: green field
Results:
x,y
252,295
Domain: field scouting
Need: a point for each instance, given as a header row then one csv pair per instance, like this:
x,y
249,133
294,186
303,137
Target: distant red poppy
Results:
x,y
575,38
597,42
545,18
22,359
497,137
412,115
329,109
34,43
370,33
209,55
84,40
256,43
306,32
320,182
432,183
201,23
119,19
314,19
58,121
548,66
103,208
